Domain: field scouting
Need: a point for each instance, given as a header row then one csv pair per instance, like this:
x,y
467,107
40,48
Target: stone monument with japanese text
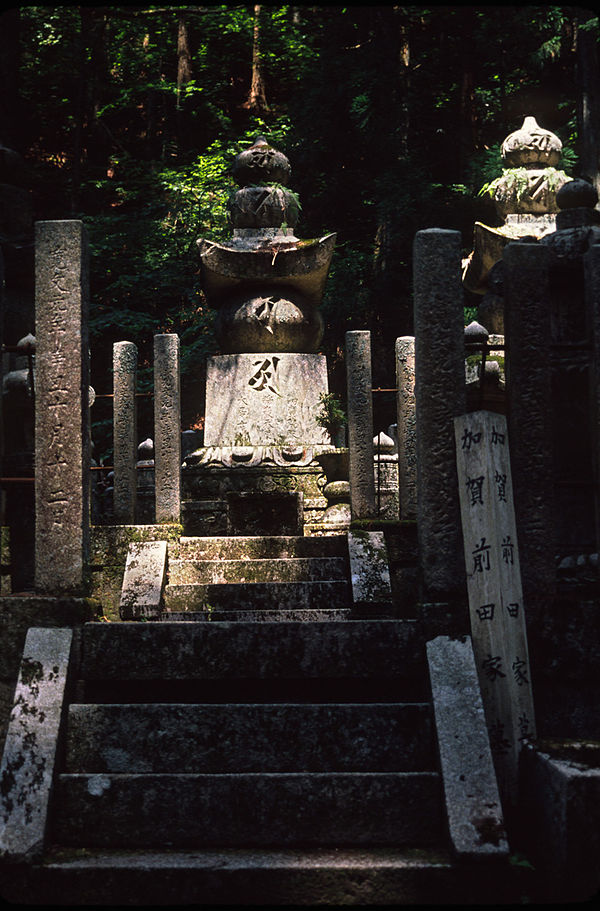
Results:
x,y
261,434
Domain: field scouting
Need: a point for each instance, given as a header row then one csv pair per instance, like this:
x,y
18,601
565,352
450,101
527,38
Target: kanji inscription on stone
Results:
x,y
494,589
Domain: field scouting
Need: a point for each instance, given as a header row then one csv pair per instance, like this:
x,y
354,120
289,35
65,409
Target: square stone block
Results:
x,y
264,399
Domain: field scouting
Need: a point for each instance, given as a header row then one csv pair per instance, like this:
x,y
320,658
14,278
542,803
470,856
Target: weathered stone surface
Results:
x,y
235,809
167,428
62,412
30,749
255,548
303,268
407,426
369,568
262,513
530,415
235,596
125,357
254,400
439,397
360,424
249,738
473,805
257,570
561,799
144,580
496,605
358,649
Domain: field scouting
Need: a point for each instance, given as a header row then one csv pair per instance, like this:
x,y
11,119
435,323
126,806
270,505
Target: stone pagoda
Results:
x,y
261,434
525,200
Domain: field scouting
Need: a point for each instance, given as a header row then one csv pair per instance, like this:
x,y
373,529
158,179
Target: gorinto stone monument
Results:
x,y
263,393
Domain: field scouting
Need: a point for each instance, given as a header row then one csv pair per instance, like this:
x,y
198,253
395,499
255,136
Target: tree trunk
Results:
x,y
257,99
588,72
9,79
184,59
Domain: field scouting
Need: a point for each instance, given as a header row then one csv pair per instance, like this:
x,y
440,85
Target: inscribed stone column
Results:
x,y
527,328
125,357
62,457
439,398
167,428
407,421
360,424
592,295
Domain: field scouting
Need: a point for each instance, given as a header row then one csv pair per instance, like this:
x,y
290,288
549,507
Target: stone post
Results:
x,y
528,338
62,456
439,398
592,294
125,358
360,424
167,428
407,421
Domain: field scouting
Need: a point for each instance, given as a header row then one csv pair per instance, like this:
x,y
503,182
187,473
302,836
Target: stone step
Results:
x,y
308,615
258,547
390,650
260,809
282,569
336,876
249,738
232,596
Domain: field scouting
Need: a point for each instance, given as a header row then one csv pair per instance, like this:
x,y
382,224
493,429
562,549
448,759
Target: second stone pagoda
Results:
x,y
266,285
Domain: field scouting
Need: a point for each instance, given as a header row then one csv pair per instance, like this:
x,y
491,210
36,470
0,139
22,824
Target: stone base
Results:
x,y
264,399
207,490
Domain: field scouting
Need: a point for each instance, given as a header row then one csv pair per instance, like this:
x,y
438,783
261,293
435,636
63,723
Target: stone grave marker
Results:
x,y
494,589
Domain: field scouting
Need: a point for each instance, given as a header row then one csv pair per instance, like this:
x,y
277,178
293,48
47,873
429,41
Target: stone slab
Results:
x,y
473,806
250,738
311,877
358,649
262,399
296,569
234,596
314,808
242,547
144,580
369,567
31,744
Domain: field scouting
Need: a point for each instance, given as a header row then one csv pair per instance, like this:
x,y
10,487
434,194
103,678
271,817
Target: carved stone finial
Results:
x,y
531,146
261,163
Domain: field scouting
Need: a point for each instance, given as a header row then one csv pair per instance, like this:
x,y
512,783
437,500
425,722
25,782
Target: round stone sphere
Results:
x,y
577,193
268,322
263,207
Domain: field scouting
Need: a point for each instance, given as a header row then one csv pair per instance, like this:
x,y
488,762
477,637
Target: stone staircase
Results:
x,y
258,578
253,763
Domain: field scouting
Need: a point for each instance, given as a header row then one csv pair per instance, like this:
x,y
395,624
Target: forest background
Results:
x,y
128,117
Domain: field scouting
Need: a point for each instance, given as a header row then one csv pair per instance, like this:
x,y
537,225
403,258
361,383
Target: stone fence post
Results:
x,y
62,451
592,294
528,340
439,398
125,357
360,424
167,428
406,413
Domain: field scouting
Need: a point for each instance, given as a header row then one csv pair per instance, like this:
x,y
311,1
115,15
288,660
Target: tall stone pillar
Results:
x,y
62,458
360,424
592,294
125,358
167,428
407,426
439,397
528,338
